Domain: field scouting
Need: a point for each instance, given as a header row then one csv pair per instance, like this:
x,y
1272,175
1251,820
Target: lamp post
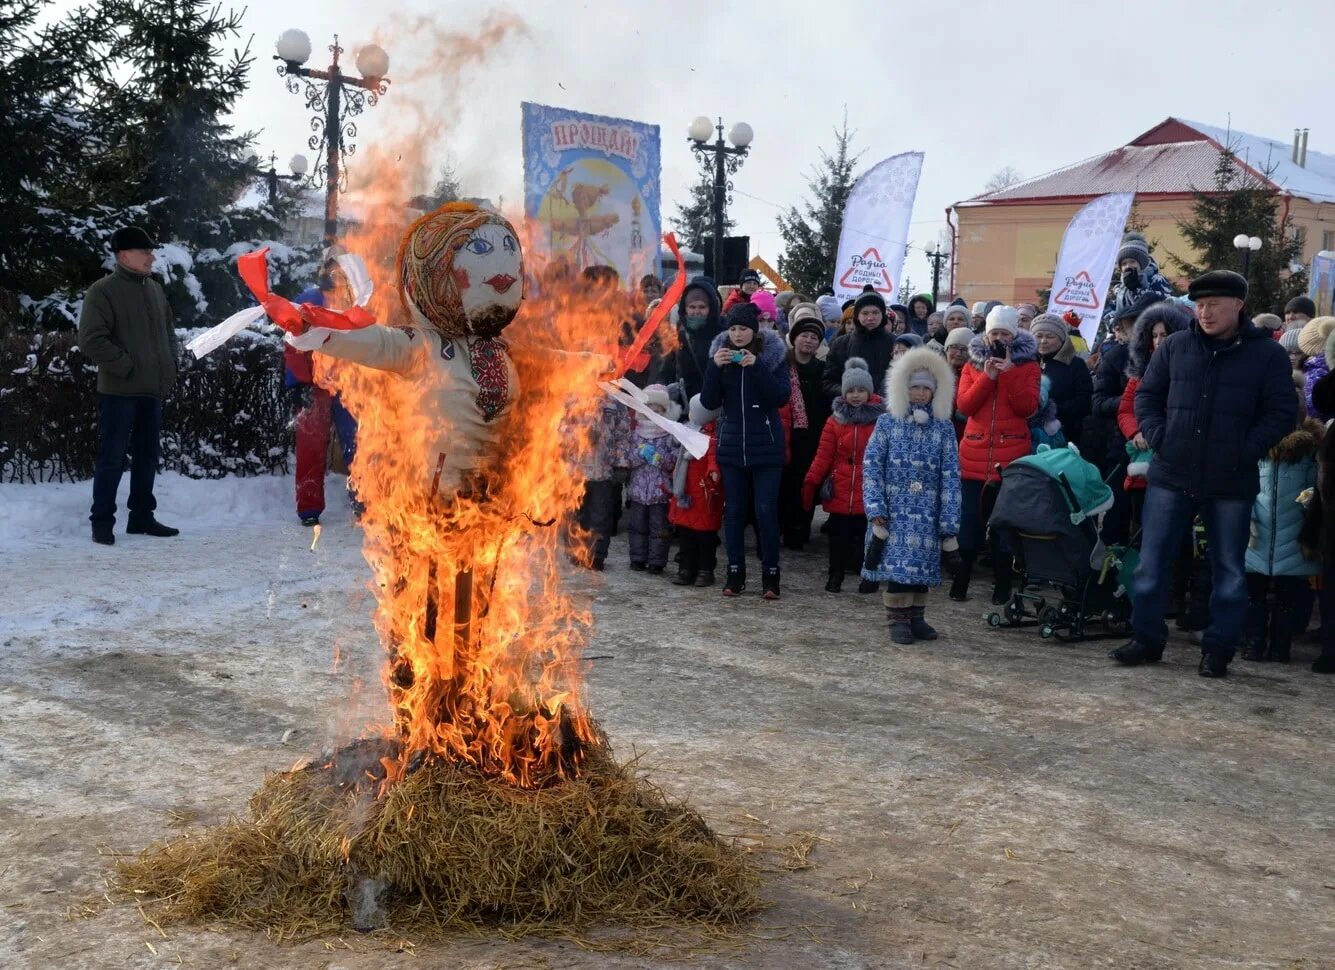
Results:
x,y
1246,245
724,162
297,163
340,95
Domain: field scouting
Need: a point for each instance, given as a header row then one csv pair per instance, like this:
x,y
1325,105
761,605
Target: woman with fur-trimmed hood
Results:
x,y
911,490
1154,325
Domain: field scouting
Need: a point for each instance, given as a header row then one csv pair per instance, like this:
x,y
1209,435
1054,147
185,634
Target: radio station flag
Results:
x,y
1087,259
1322,288
591,190
875,232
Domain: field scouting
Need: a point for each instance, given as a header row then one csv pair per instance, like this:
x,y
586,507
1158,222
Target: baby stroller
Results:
x,y
1047,512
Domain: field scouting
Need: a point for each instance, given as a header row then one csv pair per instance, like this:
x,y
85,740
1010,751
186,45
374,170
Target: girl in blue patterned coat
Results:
x,y
911,490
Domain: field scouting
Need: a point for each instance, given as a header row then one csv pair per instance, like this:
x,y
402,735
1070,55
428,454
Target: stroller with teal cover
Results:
x,y
1048,512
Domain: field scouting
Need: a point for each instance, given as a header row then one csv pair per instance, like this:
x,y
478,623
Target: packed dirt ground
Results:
x,y
987,800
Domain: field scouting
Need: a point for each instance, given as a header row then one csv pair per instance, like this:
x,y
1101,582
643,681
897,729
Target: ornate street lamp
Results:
x,y
720,161
340,95
298,164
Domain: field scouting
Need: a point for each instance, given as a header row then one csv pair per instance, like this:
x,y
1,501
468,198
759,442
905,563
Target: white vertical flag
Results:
x,y
1085,265
875,232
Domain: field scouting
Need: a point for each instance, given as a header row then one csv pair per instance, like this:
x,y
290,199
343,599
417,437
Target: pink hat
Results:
x,y
763,301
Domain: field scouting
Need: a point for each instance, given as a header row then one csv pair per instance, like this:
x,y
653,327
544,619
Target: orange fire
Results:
x,y
482,636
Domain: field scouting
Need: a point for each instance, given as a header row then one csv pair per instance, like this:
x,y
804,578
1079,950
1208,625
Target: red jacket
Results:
x,y
734,298
703,490
843,441
1128,425
998,411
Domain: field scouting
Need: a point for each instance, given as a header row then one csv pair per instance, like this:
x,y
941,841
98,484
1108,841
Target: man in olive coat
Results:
x,y
126,328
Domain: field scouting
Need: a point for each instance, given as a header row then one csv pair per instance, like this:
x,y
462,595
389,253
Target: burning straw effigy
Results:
x,y
494,799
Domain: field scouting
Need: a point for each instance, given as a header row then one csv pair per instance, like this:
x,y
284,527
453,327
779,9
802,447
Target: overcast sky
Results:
x,y
975,85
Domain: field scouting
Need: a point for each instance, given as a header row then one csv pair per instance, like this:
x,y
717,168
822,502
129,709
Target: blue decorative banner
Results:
x,y
591,190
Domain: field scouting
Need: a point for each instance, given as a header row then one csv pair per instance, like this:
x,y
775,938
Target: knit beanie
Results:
x,y
700,415
909,340
763,300
1002,317
959,337
1032,308
870,299
1289,341
829,308
1312,337
856,375
1134,249
744,315
1267,321
964,310
806,324
1301,304
978,308
922,378
1049,323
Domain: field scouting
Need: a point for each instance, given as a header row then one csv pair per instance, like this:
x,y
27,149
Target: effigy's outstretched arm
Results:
x,y
382,348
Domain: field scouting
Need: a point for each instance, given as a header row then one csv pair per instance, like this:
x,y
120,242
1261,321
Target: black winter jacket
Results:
x,y
750,434
1212,412
1069,388
1101,431
691,358
876,347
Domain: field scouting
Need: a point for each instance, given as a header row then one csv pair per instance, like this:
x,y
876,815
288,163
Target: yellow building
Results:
x,y
1006,242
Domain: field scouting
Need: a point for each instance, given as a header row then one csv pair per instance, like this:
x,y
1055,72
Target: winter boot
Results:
x,y
1136,652
683,578
922,630
103,535
1324,664
149,526
868,586
835,583
735,584
704,579
901,628
1005,580
959,586
1213,664
770,582
1281,631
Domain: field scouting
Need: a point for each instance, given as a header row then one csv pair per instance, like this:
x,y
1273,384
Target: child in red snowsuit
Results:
x,y
697,505
839,458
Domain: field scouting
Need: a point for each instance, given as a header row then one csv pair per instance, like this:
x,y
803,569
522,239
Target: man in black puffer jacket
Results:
x,y
871,340
1214,400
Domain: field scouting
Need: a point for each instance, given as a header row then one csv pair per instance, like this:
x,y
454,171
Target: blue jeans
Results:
x,y
740,487
1166,523
132,423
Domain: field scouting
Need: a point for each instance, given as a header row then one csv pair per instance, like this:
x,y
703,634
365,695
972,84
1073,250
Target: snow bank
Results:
x,y
39,513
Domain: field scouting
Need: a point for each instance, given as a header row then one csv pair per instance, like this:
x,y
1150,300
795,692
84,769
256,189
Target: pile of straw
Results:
x,y
451,851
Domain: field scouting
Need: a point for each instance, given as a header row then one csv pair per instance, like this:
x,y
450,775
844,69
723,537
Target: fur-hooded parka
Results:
x,y
1172,316
901,371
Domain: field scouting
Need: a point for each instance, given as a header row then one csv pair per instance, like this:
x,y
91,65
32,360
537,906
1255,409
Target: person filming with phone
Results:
x,y
998,394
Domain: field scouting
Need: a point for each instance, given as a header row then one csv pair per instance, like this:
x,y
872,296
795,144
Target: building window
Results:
x,y
1328,239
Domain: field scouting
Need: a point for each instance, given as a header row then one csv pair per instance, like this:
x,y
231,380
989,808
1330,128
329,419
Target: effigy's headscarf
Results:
x,y
428,278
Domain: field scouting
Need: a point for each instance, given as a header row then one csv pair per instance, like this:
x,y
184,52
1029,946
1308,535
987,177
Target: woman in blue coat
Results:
x,y
1278,567
747,378
911,489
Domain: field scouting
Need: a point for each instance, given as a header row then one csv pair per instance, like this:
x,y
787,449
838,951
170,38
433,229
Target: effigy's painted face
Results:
x,y
489,273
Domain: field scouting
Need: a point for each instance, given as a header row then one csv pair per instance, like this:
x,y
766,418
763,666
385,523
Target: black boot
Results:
x,y
901,626
1213,665
1254,629
1324,664
959,586
736,582
705,578
918,624
770,583
866,586
102,534
836,581
1281,633
683,578
149,526
1136,652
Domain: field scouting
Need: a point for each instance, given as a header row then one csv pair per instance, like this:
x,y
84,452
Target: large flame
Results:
x,y
502,691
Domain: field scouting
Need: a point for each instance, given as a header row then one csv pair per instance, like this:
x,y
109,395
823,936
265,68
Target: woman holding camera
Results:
x,y
999,392
747,379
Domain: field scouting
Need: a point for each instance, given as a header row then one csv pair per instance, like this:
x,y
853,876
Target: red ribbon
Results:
x,y
634,358
254,270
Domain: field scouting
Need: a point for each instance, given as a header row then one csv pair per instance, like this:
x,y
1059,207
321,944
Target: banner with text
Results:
x,y
875,232
591,190
1086,262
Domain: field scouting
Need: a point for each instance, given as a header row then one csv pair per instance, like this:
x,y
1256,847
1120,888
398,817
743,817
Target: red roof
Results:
x,y
1175,157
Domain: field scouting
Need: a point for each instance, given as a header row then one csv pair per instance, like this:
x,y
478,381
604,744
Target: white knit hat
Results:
x,y
979,307
959,337
1003,318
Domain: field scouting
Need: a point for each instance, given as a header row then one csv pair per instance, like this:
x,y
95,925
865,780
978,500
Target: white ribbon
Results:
x,y
628,394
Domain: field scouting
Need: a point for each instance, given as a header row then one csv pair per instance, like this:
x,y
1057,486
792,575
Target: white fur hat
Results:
x,y
1003,318
657,394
